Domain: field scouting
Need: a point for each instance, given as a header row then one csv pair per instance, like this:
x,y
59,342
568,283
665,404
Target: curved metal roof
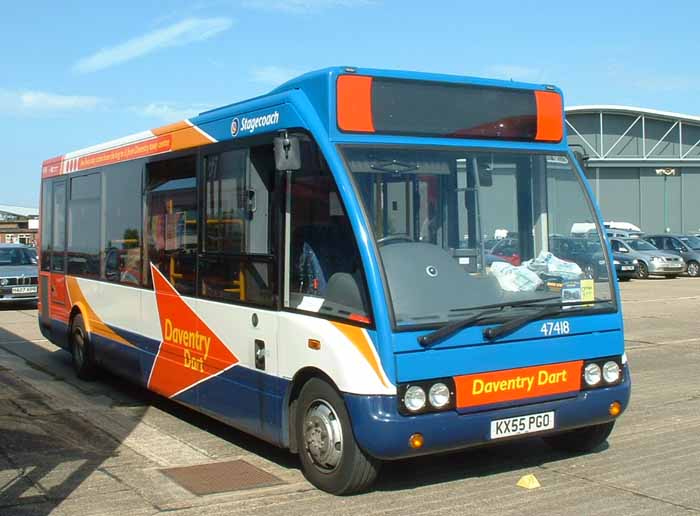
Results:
x,y
631,110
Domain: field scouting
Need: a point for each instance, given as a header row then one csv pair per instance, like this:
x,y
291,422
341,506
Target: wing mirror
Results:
x,y
287,152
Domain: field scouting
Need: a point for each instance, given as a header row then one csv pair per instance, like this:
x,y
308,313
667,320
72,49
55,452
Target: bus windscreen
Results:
x,y
448,110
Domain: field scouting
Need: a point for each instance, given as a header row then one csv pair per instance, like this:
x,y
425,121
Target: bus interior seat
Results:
x,y
323,250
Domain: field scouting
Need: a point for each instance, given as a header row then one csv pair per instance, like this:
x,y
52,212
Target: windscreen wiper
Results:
x,y
515,324
453,328
488,310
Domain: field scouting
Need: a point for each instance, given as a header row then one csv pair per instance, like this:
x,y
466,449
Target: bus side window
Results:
x,y
84,226
171,222
326,275
237,262
121,208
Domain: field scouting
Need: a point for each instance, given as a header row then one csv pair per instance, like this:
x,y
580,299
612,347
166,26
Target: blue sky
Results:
x,y
73,74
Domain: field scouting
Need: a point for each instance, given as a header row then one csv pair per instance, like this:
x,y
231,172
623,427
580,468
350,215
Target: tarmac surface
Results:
x,y
71,447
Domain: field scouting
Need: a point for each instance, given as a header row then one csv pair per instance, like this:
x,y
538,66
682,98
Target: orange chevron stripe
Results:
x,y
93,322
183,135
357,336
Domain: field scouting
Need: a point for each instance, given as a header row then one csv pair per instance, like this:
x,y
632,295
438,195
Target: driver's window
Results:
x,y
675,244
326,275
615,245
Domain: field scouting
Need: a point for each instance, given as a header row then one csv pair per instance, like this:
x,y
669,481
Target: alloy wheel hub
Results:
x,y
323,435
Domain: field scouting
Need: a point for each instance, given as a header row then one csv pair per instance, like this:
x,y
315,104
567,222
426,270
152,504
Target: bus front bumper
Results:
x,y
384,433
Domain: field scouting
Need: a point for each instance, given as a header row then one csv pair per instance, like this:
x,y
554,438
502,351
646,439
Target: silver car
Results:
x,y
652,261
18,274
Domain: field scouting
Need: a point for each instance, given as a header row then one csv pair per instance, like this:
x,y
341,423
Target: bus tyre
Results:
x,y
330,457
83,361
582,439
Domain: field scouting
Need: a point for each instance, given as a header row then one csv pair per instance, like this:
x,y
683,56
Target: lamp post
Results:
x,y
666,172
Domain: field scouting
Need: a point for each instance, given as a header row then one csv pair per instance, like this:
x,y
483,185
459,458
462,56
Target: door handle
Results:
x,y
260,354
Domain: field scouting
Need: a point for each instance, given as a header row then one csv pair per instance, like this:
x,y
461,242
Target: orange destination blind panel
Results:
x,y
517,384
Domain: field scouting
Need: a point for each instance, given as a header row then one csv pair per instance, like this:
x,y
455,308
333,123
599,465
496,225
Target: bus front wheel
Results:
x,y
330,457
83,361
581,439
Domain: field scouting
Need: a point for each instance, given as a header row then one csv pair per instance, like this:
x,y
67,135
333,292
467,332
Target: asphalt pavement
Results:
x,y
72,447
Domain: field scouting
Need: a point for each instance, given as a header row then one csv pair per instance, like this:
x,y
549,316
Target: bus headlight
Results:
x,y
414,399
439,395
592,374
611,371
426,396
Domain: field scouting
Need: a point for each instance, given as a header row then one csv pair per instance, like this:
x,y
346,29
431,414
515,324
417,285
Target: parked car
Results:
x,y
626,267
19,274
505,250
687,247
621,233
651,261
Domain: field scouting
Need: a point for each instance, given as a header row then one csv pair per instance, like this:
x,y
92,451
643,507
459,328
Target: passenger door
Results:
x,y
237,279
58,297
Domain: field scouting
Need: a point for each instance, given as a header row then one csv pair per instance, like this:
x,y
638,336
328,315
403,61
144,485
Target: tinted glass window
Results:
x,y
674,243
122,213
691,241
227,205
171,222
59,227
15,256
326,274
237,263
432,210
45,221
84,226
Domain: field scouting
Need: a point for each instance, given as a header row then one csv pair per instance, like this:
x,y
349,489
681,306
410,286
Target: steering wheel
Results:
x,y
393,238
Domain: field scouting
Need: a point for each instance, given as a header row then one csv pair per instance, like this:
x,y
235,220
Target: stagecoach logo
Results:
x,y
250,125
431,271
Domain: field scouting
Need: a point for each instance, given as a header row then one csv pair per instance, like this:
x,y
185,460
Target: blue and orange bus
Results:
x,y
314,266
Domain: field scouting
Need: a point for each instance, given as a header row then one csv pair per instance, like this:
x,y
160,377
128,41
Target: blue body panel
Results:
x,y
383,433
513,354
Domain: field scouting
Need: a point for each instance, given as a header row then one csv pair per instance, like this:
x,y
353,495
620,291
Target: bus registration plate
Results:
x,y
522,425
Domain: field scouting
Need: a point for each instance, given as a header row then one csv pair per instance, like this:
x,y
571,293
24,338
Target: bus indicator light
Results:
x,y
615,409
416,441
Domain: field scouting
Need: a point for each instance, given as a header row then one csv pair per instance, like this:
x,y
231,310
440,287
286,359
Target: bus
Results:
x,y
309,266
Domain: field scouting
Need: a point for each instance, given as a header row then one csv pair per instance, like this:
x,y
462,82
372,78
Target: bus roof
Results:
x,y
292,104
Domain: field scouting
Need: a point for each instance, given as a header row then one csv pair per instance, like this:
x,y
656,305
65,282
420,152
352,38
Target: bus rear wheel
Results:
x,y
81,348
330,457
581,439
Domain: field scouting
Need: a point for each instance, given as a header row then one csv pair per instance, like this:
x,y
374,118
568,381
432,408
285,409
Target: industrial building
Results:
x,y
18,225
643,164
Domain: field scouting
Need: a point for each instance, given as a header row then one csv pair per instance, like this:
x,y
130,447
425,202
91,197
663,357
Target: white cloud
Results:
x,y
168,111
274,75
300,6
182,33
42,101
514,72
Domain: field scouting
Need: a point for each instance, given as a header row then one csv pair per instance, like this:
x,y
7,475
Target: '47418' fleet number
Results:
x,y
550,328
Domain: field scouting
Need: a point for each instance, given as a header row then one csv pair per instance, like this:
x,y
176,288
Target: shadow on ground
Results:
x,y
48,453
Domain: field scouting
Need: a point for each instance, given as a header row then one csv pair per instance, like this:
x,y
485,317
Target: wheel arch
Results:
x,y
78,308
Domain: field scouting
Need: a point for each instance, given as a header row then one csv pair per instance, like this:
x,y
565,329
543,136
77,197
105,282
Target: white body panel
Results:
x,y
347,354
